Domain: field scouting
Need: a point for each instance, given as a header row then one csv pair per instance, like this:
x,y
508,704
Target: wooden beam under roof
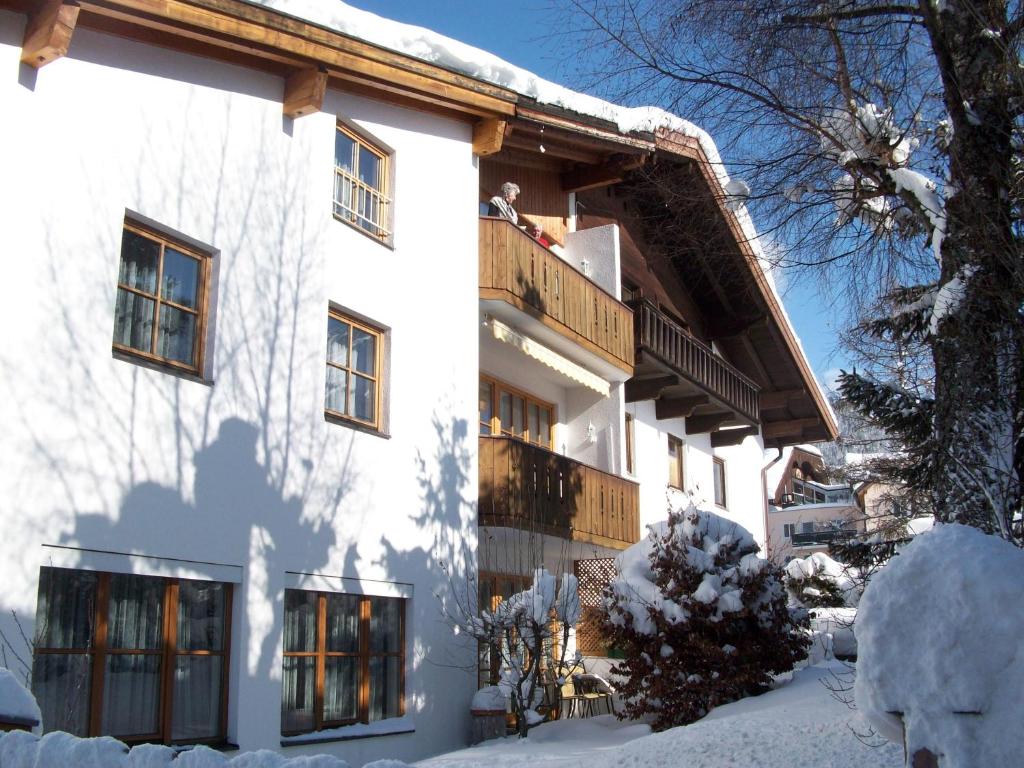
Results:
x,y
592,177
773,429
769,401
723,438
564,151
709,422
724,328
304,92
488,135
678,407
250,31
648,389
48,32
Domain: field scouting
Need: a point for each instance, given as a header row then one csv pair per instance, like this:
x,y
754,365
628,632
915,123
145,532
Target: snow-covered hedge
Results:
x,y
700,619
940,634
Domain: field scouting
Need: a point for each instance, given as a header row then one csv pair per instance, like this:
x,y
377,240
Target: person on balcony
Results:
x,y
538,234
501,205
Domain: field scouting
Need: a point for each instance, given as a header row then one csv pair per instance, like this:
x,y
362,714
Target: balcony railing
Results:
x,y
527,487
812,538
694,361
516,268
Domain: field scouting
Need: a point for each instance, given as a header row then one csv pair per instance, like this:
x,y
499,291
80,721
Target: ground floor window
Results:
x,y
141,658
344,660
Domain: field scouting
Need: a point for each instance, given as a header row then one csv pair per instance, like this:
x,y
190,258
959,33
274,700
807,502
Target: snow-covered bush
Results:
x,y
818,581
519,634
699,617
941,640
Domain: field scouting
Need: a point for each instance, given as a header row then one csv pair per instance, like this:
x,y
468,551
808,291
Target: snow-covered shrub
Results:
x,y
818,581
939,632
519,633
699,617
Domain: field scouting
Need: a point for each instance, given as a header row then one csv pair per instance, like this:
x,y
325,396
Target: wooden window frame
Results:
x,y
718,467
630,440
679,463
168,653
380,336
497,387
201,312
351,216
321,654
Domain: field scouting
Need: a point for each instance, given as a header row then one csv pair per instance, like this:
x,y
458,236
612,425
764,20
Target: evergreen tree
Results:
x,y
700,618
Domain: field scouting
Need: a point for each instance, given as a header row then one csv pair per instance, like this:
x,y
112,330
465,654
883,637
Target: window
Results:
x,y
506,411
344,660
630,442
807,527
718,469
141,658
160,313
354,385
787,530
675,462
361,184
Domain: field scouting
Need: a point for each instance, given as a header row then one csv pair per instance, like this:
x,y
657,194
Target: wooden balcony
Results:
x,y
525,486
516,269
687,376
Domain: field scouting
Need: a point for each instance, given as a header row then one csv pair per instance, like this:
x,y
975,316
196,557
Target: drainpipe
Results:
x,y
764,494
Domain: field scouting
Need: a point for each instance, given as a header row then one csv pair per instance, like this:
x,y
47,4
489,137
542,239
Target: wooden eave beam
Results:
x,y
533,144
48,32
488,136
774,429
252,31
724,438
710,422
648,389
594,177
678,407
304,92
769,401
724,329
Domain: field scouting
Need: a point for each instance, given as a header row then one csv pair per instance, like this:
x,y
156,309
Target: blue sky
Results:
x,y
520,33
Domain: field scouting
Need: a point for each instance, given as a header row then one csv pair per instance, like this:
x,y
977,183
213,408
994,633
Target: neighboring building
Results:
x,y
252,317
805,512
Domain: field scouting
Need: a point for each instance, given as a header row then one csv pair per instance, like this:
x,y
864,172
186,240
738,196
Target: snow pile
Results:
x,y
16,703
489,699
19,749
832,630
941,640
636,592
798,724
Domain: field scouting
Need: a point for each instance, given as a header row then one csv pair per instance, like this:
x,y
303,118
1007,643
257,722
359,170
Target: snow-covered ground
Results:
x,y
798,724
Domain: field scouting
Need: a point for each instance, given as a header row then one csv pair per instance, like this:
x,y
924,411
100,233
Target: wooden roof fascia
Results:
x,y
266,34
48,32
687,146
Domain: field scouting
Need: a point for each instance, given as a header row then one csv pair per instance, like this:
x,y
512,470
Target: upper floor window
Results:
x,y
361,184
161,307
718,470
354,371
344,660
141,658
788,529
507,411
675,462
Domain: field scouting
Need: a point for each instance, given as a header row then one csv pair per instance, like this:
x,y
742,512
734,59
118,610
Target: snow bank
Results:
x,y
822,566
16,703
489,699
941,640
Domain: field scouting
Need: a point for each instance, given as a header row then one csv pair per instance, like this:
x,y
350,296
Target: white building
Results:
x,y
205,542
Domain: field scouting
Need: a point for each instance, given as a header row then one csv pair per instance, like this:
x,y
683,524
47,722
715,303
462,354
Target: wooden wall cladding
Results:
x,y
541,199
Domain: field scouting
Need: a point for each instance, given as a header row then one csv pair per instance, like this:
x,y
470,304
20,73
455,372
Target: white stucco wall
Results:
x,y
242,472
599,248
744,497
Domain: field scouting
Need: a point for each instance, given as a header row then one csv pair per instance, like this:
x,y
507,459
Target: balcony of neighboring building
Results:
x,y
687,379
528,487
541,294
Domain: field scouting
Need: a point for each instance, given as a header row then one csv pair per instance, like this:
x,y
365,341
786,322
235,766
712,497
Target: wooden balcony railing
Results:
x,y
515,268
693,360
527,487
